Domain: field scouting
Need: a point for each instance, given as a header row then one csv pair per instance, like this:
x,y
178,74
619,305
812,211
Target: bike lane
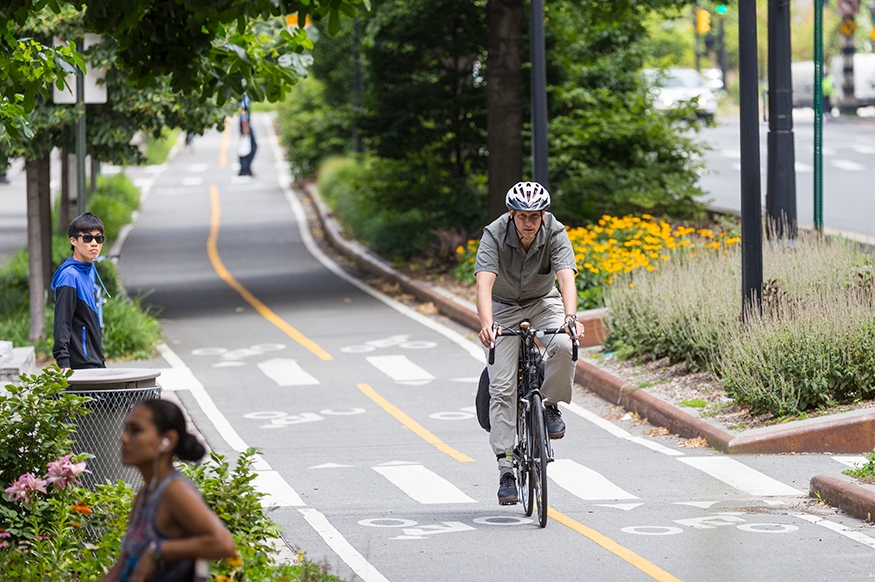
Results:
x,y
361,483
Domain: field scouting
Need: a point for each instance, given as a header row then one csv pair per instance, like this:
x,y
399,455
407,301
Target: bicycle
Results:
x,y
533,451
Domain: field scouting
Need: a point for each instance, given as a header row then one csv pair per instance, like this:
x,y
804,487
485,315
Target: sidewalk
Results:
x,y
13,211
852,432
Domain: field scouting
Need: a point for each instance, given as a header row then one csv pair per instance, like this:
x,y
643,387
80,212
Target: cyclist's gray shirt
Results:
x,y
523,277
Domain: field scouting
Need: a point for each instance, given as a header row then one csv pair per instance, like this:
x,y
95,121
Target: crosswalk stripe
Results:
x,y
584,482
741,476
423,485
286,372
848,165
400,369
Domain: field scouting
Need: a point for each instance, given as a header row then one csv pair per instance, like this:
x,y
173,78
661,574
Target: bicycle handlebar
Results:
x,y
533,333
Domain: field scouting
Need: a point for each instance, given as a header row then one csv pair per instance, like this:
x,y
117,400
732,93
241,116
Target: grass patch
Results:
x,y
157,149
812,347
865,472
694,403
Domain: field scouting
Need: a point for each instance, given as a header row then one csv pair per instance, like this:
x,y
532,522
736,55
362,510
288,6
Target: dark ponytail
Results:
x,y
168,416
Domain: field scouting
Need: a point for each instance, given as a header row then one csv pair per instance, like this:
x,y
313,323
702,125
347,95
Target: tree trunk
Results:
x,y
45,210
64,206
504,105
35,254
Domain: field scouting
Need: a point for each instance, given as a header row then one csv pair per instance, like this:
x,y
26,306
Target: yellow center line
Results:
x,y
411,424
264,310
607,543
226,141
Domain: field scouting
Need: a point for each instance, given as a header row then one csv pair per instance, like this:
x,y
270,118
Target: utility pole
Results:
x,y
357,87
818,115
721,40
751,205
781,177
848,9
539,93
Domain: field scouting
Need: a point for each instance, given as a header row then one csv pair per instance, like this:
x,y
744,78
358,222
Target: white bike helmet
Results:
x,y
527,196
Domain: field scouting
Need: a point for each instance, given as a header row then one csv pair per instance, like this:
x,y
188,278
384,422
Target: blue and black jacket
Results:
x,y
78,342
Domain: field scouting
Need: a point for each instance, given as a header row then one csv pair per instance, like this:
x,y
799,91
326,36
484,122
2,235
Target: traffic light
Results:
x,y
703,21
720,10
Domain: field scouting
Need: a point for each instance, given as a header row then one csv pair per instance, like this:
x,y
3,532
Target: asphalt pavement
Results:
x,y
355,400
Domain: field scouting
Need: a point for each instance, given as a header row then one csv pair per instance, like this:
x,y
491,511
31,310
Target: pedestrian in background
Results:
x,y
77,334
247,145
829,90
170,526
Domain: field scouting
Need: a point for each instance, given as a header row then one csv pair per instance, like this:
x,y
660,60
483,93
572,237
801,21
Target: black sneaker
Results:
x,y
555,424
507,494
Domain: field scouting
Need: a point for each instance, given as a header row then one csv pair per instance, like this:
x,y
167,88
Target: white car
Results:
x,y
671,87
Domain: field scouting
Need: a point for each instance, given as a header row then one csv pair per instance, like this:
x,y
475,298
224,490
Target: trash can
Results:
x,y
112,394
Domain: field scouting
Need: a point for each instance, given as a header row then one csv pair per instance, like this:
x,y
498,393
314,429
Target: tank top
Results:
x,y
142,530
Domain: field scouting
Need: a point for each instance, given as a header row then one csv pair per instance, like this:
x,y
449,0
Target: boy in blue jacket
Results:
x,y
78,343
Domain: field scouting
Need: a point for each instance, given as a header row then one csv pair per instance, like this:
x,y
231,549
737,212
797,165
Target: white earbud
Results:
x,y
164,444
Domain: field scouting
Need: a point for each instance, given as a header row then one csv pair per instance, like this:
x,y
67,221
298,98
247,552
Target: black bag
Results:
x,y
482,401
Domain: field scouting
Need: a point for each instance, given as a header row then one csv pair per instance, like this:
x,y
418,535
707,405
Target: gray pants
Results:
x,y
559,368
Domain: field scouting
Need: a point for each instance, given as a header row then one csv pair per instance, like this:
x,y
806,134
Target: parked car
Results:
x,y
671,87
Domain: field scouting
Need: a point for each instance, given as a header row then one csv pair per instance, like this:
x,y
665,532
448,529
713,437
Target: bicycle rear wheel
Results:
x,y
523,464
539,460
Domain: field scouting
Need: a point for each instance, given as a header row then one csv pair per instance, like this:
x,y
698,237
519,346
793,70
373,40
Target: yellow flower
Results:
x,y
223,578
81,508
235,561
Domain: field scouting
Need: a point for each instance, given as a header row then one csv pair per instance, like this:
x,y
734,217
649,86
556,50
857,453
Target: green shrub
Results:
x,y
812,346
130,331
403,208
114,203
311,130
158,148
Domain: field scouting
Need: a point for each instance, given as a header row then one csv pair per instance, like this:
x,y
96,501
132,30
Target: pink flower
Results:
x,y
3,544
63,472
25,488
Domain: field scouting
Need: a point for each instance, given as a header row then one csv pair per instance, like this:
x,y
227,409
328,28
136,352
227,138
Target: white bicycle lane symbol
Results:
x,y
283,419
400,341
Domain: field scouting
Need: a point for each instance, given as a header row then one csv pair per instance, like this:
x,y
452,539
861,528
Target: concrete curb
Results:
x,y
852,432
852,499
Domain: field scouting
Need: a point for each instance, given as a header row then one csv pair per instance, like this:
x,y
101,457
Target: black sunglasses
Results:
x,y
87,238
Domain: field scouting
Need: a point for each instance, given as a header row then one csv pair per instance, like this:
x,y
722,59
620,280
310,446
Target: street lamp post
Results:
x,y
539,93
751,213
781,177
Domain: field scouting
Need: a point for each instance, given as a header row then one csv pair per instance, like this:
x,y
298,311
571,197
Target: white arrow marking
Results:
x,y
293,419
192,181
702,504
423,485
400,368
740,476
623,506
396,463
710,521
447,527
286,372
330,466
585,483
228,364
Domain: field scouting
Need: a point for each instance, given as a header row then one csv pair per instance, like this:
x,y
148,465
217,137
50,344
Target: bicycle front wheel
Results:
x,y
523,461
539,460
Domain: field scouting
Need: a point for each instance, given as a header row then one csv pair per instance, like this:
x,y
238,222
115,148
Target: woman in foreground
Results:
x,y
170,525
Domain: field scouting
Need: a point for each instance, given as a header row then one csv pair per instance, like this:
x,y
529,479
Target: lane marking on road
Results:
x,y
607,543
265,311
286,372
475,350
412,425
618,432
400,369
852,462
838,528
423,485
180,377
848,165
584,482
741,476
364,569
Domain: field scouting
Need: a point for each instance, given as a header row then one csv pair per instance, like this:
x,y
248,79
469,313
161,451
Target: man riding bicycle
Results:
x,y
521,256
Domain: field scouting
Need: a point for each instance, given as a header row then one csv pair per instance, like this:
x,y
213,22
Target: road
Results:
x,y
363,411
848,170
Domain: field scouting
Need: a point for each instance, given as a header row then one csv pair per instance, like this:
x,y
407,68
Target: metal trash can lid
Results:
x,y
113,378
